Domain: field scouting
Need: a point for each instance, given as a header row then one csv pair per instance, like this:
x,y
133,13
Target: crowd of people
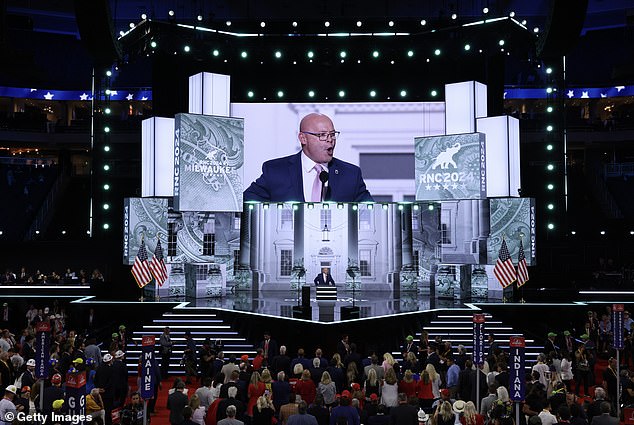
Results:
x,y
37,277
430,381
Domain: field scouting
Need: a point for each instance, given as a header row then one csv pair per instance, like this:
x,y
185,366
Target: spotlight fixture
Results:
x,y
485,10
549,70
278,54
153,44
243,54
171,13
199,18
551,226
250,93
423,22
131,25
602,232
410,53
359,23
311,93
294,24
327,24
512,14
343,54
375,54
215,52
106,226
108,73
342,93
434,93
549,128
186,48
228,23
467,47
280,93
501,42
403,93
390,24
437,52
310,54
536,30
372,93
262,24
454,16
143,16
549,109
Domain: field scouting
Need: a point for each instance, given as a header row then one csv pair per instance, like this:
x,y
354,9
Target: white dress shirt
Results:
x,y
308,175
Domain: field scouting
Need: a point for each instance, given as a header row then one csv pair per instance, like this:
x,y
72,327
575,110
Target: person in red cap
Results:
x,y
345,410
52,393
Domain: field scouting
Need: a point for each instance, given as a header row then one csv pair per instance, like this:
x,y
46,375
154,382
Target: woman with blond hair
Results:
x,y
425,391
434,377
327,389
305,387
388,361
298,370
470,416
444,414
336,372
263,411
372,384
389,389
198,411
268,381
352,374
407,385
255,391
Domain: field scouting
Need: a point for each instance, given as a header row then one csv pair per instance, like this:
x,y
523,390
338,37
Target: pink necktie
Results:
x,y
316,193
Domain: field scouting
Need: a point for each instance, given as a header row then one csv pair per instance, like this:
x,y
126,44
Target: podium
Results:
x,y
326,293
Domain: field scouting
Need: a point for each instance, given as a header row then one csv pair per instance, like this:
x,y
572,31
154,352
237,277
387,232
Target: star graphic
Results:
x,y
584,95
48,96
603,95
463,186
436,187
454,186
570,94
445,186
428,187
83,96
129,96
619,88
144,98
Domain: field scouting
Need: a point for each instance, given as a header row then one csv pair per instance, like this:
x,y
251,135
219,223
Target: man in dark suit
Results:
x,y
297,177
324,278
176,402
269,347
604,418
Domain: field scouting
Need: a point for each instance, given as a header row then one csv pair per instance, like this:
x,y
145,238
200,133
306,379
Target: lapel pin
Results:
x,y
336,171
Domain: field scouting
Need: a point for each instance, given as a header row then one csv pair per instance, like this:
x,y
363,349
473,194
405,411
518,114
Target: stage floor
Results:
x,y
282,304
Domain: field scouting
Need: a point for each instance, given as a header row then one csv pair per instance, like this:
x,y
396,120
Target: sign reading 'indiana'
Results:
x,y
208,163
450,167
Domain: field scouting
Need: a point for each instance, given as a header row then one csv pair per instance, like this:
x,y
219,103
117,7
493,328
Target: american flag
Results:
x,y
522,270
141,268
504,270
157,265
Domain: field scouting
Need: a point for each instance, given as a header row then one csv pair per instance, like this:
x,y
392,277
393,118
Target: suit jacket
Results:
x,y
604,419
282,180
319,280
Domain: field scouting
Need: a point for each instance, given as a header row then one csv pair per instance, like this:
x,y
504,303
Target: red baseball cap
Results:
x,y
56,379
345,394
445,392
374,397
356,387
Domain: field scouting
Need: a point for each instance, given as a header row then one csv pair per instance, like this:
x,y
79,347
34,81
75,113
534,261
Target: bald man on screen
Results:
x,y
313,174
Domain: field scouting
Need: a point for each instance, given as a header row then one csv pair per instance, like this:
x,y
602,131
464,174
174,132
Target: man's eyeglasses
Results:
x,y
324,136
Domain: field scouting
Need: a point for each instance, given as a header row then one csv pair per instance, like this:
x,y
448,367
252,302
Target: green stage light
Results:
x,y
403,93
550,167
186,48
550,186
549,128
106,226
467,47
311,93
106,148
549,90
549,147
243,54
107,111
342,93
106,186
437,52
501,42
343,54
372,93
215,52
310,54
153,44
106,129
375,54
434,93
549,70
551,226
250,93
280,93
549,109
430,207
106,167
410,53
278,54
106,206
108,73
551,207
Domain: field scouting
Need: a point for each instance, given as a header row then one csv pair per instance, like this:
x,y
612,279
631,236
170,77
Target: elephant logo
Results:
x,y
445,158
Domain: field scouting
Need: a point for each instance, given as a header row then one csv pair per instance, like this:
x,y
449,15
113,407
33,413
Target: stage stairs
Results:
x,y
457,326
201,323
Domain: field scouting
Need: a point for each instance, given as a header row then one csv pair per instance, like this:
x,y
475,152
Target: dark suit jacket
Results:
x,y
176,402
604,419
281,181
319,280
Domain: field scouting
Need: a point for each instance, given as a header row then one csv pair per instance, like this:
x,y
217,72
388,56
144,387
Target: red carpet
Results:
x,y
162,414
